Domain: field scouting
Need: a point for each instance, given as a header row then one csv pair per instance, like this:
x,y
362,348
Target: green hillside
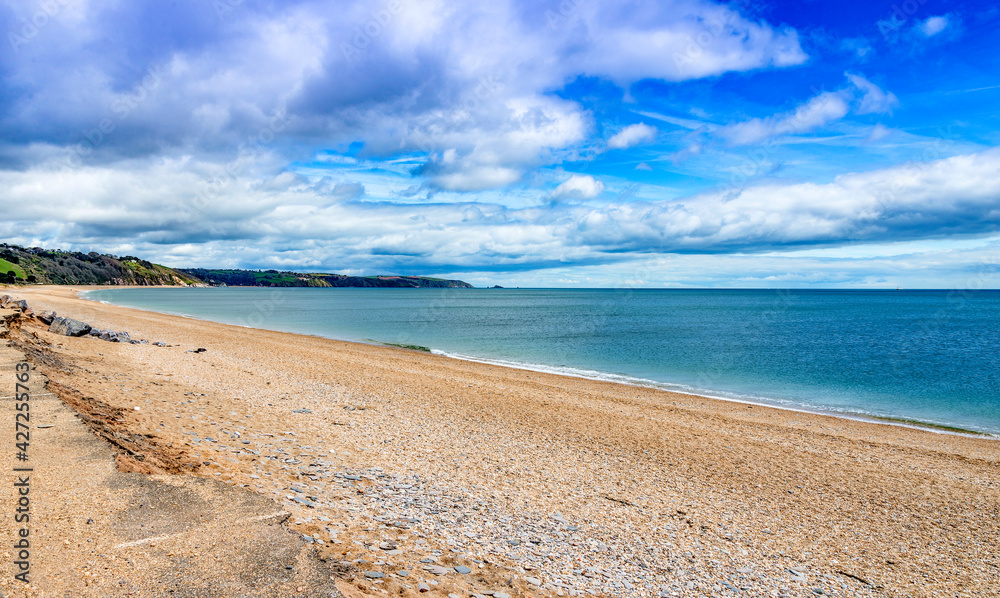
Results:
x,y
35,265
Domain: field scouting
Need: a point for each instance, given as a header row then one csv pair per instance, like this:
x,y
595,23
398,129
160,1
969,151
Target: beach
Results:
x,y
408,473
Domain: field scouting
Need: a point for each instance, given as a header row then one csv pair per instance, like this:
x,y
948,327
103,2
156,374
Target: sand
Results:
x,y
401,468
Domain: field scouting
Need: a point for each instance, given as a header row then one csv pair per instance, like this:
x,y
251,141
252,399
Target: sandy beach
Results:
x,y
413,474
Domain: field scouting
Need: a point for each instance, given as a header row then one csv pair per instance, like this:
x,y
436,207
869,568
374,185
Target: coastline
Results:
x,y
942,427
629,491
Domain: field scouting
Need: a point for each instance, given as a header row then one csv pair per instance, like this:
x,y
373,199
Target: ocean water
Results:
x,y
929,356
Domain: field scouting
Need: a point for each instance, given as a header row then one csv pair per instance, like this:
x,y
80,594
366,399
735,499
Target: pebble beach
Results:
x,y
414,474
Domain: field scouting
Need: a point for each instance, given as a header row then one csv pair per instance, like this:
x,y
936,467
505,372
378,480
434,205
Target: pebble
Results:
x,y
374,574
533,581
463,569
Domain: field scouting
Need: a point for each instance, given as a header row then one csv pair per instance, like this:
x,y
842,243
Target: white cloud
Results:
x,y
433,76
243,222
873,97
878,133
819,111
578,186
934,25
643,166
631,136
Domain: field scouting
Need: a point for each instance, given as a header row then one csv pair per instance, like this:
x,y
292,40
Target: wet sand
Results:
x,y
395,461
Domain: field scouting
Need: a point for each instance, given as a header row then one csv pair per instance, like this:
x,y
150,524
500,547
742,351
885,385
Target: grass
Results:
x,y
6,267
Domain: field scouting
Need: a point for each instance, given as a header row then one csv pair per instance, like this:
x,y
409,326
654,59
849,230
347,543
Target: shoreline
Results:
x,y
611,377
405,470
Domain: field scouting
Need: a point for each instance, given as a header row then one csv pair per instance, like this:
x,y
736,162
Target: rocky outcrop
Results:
x,y
46,317
69,327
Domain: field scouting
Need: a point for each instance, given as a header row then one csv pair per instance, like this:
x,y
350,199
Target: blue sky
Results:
x,y
572,143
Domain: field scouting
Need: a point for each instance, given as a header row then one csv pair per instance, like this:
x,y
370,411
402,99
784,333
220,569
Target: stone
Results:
x,y
423,587
403,573
436,569
19,304
374,574
115,337
463,569
69,327
533,581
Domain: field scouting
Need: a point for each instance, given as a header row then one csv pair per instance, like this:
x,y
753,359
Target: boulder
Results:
x,y
115,337
46,317
11,303
69,327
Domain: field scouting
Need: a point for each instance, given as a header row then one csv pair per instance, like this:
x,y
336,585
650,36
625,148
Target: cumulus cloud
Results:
x,y
240,222
933,25
631,136
578,186
418,76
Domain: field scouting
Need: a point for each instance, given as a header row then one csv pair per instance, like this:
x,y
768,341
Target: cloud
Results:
x,y
244,223
631,136
873,98
819,111
423,79
578,187
933,25
643,166
878,133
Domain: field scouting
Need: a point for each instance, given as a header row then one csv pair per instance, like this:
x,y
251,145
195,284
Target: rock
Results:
x,y
11,303
463,569
436,569
46,317
403,573
69,327
374,574
501,595
160,344
198,350
533,581
115,337
423,587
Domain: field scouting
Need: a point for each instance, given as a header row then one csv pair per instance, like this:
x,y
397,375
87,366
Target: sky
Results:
x,y
571,143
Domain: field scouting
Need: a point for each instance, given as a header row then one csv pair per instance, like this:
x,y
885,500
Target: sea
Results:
x,y
908,356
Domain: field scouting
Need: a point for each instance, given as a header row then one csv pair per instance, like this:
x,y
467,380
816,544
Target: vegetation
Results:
x,y
47,266
19,265
274,278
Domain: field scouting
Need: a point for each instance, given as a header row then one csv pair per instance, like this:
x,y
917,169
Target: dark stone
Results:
x,y
115,337
69,327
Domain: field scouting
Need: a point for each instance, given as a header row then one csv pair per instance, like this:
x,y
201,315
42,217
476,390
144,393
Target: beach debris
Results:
x,y
69,327
159,344
198,350
46,317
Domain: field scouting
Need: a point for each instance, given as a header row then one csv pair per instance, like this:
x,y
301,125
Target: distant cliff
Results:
x,y
34,265
274,278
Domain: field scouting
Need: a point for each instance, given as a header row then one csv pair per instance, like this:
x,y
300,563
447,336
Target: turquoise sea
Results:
x,y
929,356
